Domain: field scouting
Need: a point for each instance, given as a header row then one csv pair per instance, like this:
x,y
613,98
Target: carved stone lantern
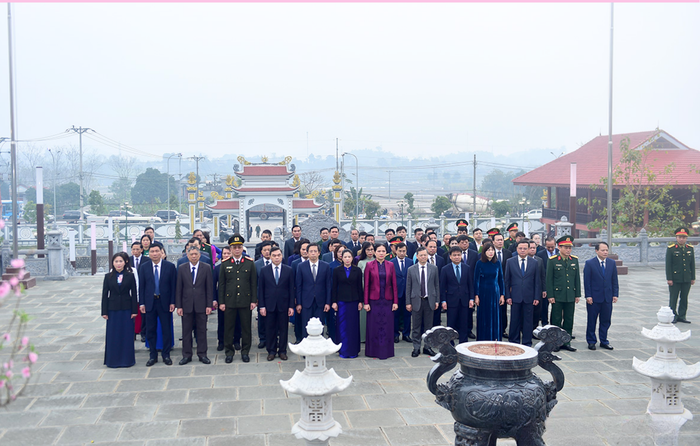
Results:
x,y
666,371
316,384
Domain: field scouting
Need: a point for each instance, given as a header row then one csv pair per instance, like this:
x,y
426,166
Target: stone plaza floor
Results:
x,y
74,399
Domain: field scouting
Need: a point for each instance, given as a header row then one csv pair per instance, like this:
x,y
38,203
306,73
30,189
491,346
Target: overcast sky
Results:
x,y
416,79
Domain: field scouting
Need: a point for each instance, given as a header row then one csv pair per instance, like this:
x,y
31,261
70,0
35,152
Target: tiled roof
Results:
x,y
264,170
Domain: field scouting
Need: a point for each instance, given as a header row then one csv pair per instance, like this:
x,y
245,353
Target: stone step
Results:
x,y
12,270
28,283
8,276
622,271
613,256
618,262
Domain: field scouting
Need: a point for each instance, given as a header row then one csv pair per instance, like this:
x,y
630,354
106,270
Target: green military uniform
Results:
x,y
564,286
510,240
680,268
205,248
462,225
238,289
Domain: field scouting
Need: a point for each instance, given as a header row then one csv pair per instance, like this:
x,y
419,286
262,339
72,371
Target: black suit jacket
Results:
x,y
347,289
116,297
276,296
506,254
289,248
195,297
147,288
519,288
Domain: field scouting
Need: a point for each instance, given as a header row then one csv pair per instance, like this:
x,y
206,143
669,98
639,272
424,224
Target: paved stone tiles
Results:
x,y
74,399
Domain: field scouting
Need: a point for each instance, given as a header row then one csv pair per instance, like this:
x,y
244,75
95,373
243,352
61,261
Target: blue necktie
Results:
x,y
157,281
459,276
193,270
602,265
277,274
522,266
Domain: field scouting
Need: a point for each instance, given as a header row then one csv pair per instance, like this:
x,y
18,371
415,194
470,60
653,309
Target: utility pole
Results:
x,y
474,197
196,197
610,129
80,131
336,155
13,142
389,184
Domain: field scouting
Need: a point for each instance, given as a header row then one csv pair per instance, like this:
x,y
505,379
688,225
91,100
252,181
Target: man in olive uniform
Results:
x,y
512,230
680,274
463,228
392,243
238,287
563,286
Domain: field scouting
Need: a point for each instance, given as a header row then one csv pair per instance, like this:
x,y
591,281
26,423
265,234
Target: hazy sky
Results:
x,y
416,79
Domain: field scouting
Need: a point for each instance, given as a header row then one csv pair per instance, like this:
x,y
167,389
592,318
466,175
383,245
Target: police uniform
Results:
x,y
510,240
680,268
564,286
238,287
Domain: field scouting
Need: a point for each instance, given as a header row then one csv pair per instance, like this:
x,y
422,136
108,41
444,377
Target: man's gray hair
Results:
x,y
192,248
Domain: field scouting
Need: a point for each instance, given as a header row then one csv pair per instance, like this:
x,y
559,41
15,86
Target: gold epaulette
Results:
x,y
573,257
673,245
246,257
551,257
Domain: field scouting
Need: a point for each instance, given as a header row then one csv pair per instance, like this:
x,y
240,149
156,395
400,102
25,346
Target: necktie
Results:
x,y
522,266
267,262
136,261
500,259
423,284
313,271
277,274
401,266
602,265
464,256
157,281
459,276
432,260
193,270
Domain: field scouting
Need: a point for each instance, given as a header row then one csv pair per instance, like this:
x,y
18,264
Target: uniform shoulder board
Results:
x,y
248,258
672,245
553,257
573,257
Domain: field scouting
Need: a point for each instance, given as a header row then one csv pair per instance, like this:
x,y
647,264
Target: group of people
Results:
x,y
363,291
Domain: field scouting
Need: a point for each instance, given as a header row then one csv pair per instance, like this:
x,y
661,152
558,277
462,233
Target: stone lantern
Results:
x,y
316,384
666,371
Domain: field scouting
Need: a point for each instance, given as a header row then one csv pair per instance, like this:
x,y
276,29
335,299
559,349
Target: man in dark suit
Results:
x,y
157,279
194,299
333,234
422,298
354,244
238,295
260,263
457,291
323,243
434,259
536,312
412,247
313,288
523,292
469,258
266,236
477,239
303,257
194,241
276,303
550,250
136,259
513,246
289,243
402,315
502,255
601,291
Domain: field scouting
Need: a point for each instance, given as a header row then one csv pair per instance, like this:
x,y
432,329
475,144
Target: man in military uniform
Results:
x,y
493,232
563,286
392,243
238,287
680,274
512,230
463,228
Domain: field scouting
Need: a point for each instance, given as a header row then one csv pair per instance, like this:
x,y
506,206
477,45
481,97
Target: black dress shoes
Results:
x,y
396,339
471,335
408,339
568,348
184,361
150,362
245,358
204,360
685,321
168,361
229,359
415,353
220,348
261,344
429,351
237,346
606,346
143,337
271,356
283,356
591,346
573,337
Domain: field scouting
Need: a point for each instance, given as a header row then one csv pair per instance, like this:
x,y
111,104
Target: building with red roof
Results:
x,y
592,171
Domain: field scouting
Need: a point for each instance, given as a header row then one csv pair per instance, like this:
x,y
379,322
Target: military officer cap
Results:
x,y
512,227
236,239
462,223
682,231
493,231
566,240
395,240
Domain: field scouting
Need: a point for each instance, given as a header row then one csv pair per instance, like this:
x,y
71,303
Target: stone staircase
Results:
x,y
621,270
27,281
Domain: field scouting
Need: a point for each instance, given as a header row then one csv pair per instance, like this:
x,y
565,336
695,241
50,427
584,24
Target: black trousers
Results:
x,y
221,328
188,320
231,321
276,323
458,318
166,320
521,321
307,313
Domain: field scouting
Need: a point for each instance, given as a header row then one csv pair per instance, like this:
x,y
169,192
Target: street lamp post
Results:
x,y
401,204
357,181
168,169
55,206
126,208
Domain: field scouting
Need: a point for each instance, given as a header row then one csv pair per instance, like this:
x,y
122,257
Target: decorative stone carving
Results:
x,y
494,394
311,227
316,384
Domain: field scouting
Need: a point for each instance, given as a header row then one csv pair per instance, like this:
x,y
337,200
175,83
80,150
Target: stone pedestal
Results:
x,y
56,260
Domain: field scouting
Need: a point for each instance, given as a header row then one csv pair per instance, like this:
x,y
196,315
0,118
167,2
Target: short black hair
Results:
x,y
496,235
275,248
265,243
137,243
520,234
379,245
267,231
158,245
550,239
420,248
477,229
455,249
295,226
322,229
335,241
363,234
597,246
333,227
525,241
311,245
149,227
400,245
461,238
417,230
388,230
401,228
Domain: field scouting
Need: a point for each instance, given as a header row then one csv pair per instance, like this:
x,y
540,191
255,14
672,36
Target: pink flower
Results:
x,y
17,263
7,337
25,341
2,383
14,281
32,357
18,291
4,289
26,372
9,374
21,274
2,224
